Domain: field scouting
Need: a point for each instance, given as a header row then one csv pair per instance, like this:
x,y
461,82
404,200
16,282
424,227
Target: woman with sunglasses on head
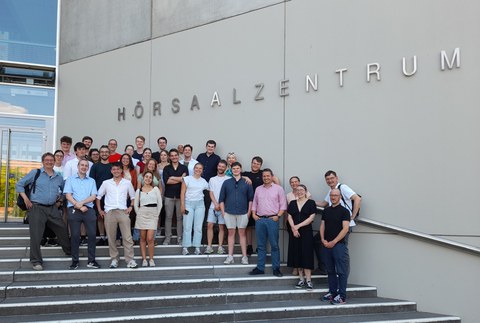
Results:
x,y
147,204
231,158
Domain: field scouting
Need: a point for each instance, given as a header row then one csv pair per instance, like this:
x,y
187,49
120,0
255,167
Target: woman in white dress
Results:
x,y
148,203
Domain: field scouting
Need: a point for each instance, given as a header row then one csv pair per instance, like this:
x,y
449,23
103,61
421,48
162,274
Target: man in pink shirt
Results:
x,y
65,145
269,203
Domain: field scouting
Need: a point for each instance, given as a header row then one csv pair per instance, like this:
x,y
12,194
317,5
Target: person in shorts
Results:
x,y
236,197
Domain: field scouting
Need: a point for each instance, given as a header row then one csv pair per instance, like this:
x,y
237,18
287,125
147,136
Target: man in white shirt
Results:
x,y
215,213
188,160
116,214
71,167
349,199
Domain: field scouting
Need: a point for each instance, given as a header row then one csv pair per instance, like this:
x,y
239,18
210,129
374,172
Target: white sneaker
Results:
x,y
197,251
229,260
166,242
179,241
151,263
37,267
114,264
144,263
244,260
220,250
185,251
208,250
132,264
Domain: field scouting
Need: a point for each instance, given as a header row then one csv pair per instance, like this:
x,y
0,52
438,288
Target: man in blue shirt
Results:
x,y
42,206
81,191
235,199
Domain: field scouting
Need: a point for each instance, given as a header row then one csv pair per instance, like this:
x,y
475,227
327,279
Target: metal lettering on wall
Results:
x,y
373,72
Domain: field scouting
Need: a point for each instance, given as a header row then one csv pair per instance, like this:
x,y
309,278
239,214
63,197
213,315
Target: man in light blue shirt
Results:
x,y
81,191
42,208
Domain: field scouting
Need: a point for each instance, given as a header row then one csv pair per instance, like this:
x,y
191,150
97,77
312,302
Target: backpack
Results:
x,y
343,200
28,189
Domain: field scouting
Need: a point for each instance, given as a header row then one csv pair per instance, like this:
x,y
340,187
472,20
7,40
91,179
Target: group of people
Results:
x,y
104,188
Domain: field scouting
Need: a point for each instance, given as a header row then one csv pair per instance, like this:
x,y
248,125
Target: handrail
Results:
x,y
420,235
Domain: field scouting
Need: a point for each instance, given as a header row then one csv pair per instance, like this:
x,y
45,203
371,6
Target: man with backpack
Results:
x,y
348,199
42,207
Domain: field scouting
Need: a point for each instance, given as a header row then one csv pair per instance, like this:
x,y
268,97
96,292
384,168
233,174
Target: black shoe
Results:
x,y
43,242
256,271
83,242
277,272
74,265
100,242
249,250
93,264
51,243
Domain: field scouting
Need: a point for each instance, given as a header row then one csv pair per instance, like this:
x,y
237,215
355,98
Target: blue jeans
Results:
x,y
336,262
266,228
89,219
194,219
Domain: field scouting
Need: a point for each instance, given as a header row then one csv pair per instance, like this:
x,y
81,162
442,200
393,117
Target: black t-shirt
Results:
x,y
256,178
334,217
137,155
210,164
101,172
156,156
173,190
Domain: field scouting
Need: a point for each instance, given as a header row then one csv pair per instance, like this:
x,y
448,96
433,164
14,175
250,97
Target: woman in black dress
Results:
x,y
301,213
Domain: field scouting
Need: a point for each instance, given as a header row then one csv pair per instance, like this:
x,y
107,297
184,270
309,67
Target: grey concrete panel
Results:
x,y
401,267
399,141
206,60
91,90
174,16
91,27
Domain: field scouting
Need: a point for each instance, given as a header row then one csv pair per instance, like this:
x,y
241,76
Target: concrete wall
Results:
x,y
439,279
402,142
91,27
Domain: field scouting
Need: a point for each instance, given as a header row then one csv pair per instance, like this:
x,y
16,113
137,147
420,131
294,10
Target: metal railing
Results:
x,y
420,236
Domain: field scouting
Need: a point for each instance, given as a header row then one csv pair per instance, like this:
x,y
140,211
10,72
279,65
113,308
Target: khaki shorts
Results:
x,y
236,221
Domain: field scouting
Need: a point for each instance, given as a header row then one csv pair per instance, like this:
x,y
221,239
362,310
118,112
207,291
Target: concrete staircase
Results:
x,y
179,289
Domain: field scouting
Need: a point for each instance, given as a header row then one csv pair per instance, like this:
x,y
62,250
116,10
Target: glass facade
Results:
x,y
28,31
28,42
27,100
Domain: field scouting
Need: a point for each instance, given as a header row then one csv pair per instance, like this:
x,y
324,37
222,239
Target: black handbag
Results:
x,y
28,189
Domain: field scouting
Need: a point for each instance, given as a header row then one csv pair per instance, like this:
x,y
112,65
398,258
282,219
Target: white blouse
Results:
x,y
152,197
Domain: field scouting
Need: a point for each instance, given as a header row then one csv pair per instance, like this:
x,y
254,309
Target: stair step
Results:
x,y
161,283
178,289
206,295
14,230
228,312
397,317
123,273
104,262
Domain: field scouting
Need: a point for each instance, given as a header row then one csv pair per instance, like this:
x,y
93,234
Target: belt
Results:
x,y
267,216
44,205
151,205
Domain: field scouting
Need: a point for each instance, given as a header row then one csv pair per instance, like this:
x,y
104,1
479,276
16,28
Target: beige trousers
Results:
x,y
121,219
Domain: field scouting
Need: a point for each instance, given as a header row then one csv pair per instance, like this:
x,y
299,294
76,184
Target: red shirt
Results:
x,y
114,158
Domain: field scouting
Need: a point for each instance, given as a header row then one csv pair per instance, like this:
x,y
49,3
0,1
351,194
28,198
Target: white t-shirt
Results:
x,y
195,188
347,194
215,185
71,168
191,165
